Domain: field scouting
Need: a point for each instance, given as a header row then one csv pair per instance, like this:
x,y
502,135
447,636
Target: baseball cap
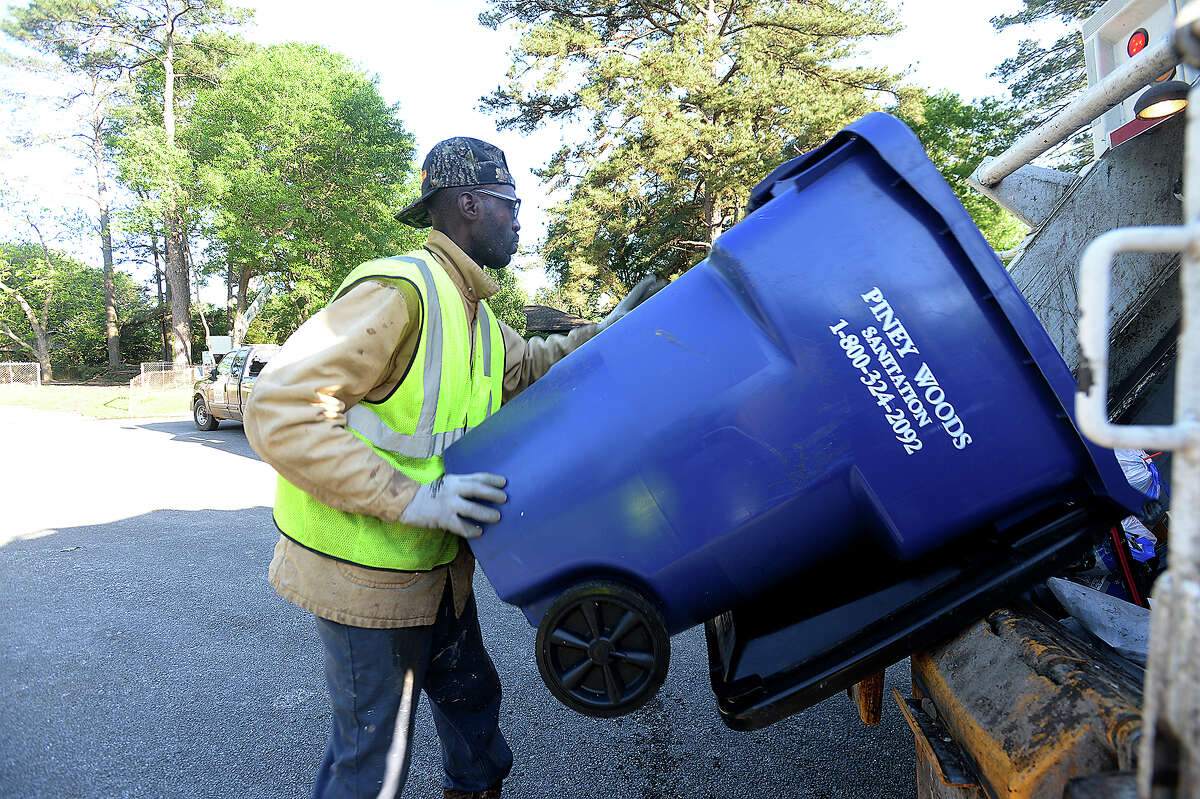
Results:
x,y
460,161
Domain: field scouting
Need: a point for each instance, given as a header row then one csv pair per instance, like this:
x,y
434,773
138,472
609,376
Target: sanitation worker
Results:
x,y
354,413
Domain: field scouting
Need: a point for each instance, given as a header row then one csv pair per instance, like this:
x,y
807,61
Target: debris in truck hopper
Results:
x,y
1120,624
1141,472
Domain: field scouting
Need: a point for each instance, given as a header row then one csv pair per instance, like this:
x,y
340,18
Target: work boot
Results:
x,y
488,793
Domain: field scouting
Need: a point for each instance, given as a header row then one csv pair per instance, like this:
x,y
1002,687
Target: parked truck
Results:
x,y
1029,701
223,392
1019,704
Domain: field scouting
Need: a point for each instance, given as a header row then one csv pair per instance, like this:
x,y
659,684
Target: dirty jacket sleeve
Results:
x,y
352,349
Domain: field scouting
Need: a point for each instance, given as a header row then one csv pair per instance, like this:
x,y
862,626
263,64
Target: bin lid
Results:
x,y
898,147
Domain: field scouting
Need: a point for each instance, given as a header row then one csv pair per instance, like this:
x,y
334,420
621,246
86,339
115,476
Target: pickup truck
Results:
x,y
223,393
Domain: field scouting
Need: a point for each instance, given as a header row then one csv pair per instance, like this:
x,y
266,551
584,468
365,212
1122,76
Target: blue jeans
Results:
x,y
375,675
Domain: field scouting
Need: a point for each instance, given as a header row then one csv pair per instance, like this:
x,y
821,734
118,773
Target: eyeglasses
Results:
x,y
516,203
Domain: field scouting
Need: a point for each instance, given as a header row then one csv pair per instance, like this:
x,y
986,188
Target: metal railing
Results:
x,y
1120,84
1169,758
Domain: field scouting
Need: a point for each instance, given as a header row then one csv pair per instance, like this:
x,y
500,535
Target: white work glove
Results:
x,y
645,289
445,504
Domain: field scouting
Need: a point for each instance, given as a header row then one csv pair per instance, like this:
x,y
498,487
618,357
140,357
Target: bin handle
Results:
x,y
1091,399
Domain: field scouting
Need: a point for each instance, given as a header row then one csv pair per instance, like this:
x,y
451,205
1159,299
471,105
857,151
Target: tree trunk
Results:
x,y
158,279
177,270
40,327
712,217
180,291
111,332
200,305
239,316
229,304
41,339
43,356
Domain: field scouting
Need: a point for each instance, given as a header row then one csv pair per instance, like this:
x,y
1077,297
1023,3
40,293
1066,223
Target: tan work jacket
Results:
x,y
357,348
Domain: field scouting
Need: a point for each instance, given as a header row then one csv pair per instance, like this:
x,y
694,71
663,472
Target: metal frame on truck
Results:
x,y
1014,706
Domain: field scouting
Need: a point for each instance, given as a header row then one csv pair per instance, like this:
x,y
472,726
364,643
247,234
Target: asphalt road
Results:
x,y
145,655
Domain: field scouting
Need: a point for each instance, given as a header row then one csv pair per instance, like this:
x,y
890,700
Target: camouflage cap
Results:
x,y
461,161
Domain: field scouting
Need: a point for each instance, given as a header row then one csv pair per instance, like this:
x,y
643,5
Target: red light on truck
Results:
x,y
1137,42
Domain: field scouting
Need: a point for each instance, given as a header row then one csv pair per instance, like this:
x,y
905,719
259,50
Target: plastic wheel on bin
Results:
x,y
603,649
204,420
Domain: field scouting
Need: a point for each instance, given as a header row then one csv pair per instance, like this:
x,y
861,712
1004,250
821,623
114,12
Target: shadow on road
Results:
x,y
229,437
149,657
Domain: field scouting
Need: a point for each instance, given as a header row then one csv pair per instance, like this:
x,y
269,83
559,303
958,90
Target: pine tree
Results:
x,y
686,105
1043,79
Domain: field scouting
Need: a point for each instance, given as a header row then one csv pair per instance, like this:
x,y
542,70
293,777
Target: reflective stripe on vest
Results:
x,y
424,443
436,405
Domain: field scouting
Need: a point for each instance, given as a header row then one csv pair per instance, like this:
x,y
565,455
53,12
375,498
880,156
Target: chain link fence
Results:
x,y
27,372
162,387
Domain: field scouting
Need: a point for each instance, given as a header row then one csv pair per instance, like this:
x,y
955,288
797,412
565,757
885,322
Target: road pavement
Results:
x,y
145,654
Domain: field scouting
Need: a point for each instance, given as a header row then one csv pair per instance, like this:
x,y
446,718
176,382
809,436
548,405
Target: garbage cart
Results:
x,y
849,394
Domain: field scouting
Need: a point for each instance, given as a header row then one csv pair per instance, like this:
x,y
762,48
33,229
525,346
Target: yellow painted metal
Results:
x,y
1031,707
867,696
932,780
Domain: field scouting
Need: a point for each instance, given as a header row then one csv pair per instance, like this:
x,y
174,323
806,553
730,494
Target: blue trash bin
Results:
x,y
851,370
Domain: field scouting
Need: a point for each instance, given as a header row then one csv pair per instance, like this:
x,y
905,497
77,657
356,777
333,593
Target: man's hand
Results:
x,y
636,296
445,504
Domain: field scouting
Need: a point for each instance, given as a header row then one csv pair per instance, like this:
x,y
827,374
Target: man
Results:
x,y
354,413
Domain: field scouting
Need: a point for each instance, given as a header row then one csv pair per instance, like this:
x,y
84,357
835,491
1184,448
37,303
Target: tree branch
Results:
x,y
732,71
26,308
100,25
650,17
197,76
13,336
728,17
801,31
49,265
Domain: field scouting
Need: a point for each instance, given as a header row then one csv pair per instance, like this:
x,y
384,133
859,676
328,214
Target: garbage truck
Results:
x,y
1024,703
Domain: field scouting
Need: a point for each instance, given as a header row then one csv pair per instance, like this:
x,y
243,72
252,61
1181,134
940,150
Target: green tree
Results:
x,y
1043,78
162,44
301,164
554,297
79,345
508,302
53,309
687,104
29,280
93,89
957,136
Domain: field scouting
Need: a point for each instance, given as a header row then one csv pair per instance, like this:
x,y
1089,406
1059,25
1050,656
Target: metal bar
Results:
x,y
1091,403
1169,755
1170,752
1120,84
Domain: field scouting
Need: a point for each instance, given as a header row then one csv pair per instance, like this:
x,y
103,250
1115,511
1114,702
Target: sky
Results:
x,y
436,61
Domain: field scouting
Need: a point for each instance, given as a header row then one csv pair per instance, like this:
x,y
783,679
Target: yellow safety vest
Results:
x,y
444,394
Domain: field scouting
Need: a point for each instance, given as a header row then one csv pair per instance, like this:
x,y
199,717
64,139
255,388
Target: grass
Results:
x,y
99,402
